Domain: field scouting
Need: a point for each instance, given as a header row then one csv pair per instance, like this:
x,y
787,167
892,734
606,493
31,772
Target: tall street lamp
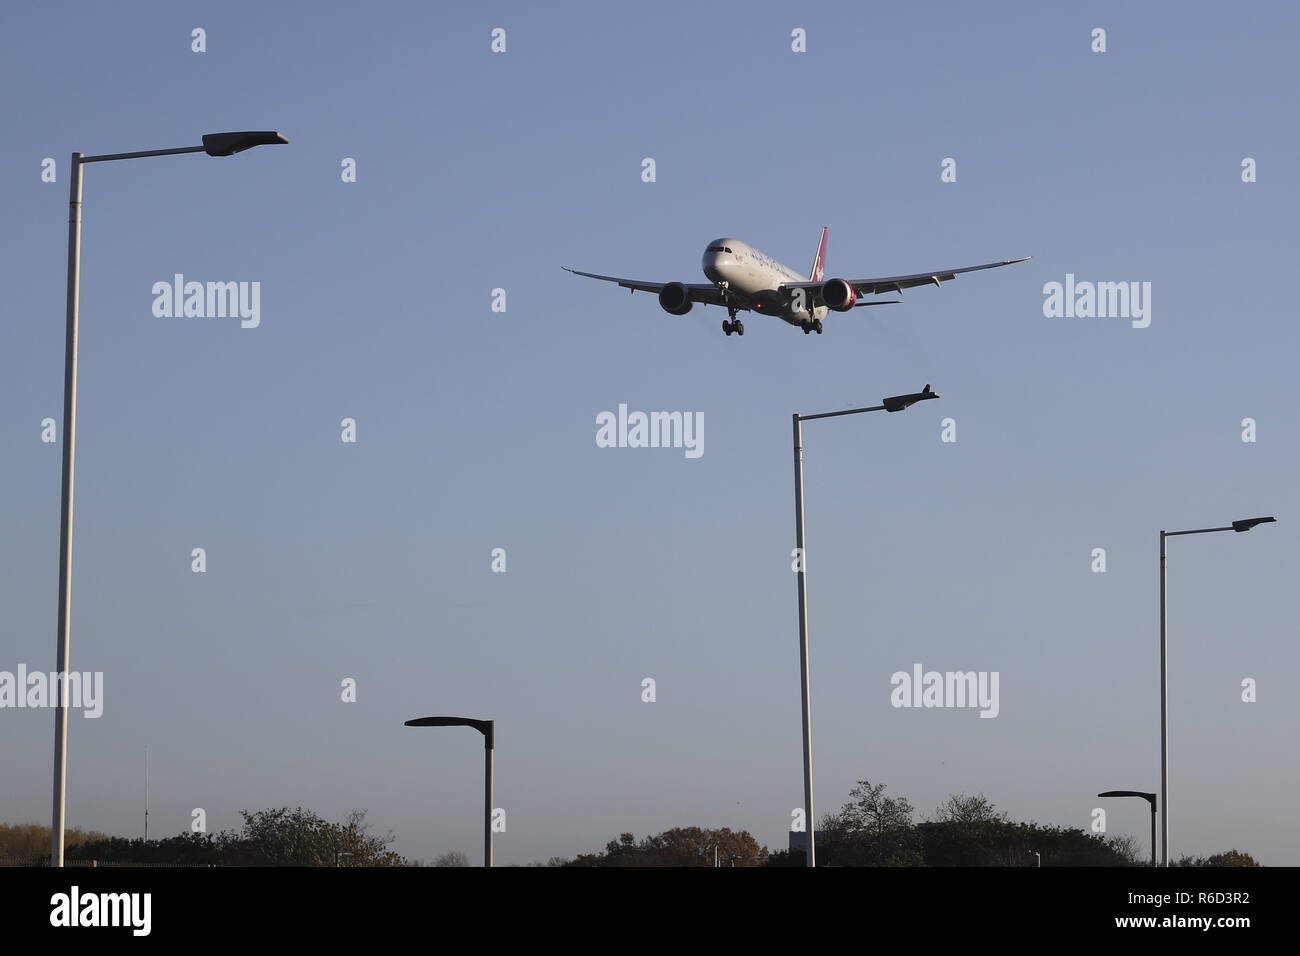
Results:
x,y
895,404
1245,524
214,144
1149,798
486,728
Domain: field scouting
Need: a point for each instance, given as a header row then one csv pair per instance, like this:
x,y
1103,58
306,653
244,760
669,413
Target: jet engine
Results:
x,y
675,299
838,295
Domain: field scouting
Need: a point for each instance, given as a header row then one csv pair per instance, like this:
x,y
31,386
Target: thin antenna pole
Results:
x,y
146,793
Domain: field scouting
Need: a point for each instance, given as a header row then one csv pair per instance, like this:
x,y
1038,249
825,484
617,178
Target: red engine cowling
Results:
x,y
838,295
674,299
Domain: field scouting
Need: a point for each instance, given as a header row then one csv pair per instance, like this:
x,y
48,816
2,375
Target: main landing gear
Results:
x,y
733,324
730,323
814,326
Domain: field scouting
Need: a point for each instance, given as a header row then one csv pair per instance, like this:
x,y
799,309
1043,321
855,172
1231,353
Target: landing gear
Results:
x,y
814,326
817,326
731,323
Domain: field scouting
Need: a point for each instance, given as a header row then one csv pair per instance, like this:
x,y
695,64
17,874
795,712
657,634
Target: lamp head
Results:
x,y
1245,524
227,144
897,403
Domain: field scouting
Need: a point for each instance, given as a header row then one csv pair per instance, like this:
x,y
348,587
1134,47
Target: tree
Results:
x,y
188,849
1231,858
959,808
793,857
871,830
680,846
30,842
1006,843
452,858
693,846
1125,846
301,837
1228,858
280,837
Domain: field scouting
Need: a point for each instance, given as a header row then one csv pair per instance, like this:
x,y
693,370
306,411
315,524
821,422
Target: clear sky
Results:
x,y
371,560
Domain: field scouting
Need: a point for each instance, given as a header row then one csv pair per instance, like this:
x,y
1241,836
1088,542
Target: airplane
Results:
x,y
744,279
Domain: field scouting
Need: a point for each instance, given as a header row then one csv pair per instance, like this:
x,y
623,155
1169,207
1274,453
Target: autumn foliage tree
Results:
x,y
680,846
30,842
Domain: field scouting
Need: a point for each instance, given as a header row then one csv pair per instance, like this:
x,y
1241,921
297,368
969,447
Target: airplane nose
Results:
x,y
713,262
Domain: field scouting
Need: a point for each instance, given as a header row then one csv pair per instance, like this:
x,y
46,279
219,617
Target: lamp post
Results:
x,y
1245,524
896,403
214,144
486,728
1151,799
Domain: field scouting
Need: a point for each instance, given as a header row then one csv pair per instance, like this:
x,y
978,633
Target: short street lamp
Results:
x,y
896,403
486,728
1244,524
214,144
1151,799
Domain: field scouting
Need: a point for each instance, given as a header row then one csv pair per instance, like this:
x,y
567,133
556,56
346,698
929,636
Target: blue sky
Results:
x,y
476,429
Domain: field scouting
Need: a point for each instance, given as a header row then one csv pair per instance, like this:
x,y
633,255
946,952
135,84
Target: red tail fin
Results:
x,y
819,264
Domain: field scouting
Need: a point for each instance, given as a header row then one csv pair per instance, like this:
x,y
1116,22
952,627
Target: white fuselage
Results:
x,y
752,278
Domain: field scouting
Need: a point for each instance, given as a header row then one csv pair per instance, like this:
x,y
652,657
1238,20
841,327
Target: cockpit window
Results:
x,y
726,249
716,249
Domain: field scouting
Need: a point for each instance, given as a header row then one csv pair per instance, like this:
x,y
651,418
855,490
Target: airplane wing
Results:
x,y
898,283
704,292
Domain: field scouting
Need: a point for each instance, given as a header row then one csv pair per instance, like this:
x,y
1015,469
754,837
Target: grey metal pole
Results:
x,y
222,144
1164,705
59,814
810,825
1153,833
487,798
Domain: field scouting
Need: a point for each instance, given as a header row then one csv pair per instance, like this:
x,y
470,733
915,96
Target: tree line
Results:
x,y
871,829
280,837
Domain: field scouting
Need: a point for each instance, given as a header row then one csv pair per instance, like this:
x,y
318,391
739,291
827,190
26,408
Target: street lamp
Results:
x,y
896,403
1244,524
1151,799
214,144
486,728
